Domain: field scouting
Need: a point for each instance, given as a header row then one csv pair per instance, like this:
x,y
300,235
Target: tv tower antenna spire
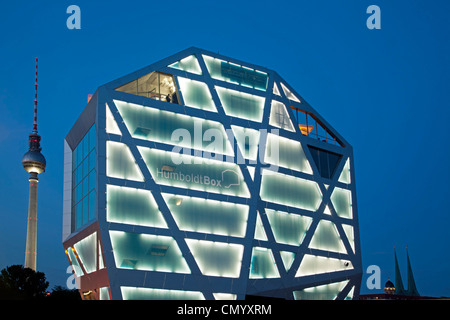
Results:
x,y
34,163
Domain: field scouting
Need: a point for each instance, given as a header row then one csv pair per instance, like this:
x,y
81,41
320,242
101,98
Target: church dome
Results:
x,y
389,287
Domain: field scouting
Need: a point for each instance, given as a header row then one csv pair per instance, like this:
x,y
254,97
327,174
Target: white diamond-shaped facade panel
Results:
x,y
216,180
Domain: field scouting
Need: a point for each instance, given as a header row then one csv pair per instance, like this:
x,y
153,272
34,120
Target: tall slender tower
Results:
x,y
34,163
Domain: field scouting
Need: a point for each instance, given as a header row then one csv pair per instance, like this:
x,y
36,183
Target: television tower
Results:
x,y
34,163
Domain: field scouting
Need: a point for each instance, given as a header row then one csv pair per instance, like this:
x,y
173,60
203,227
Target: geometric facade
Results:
x,y
204,177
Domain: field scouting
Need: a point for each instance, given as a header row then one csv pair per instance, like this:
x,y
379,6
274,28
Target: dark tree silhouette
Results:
x,y
62,293
19,283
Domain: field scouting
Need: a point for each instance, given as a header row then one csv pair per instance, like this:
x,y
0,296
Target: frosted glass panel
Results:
x,y
326,237
87,252
120,162
247,140
290,191
74,262
288,258
147,252
189,64
104,293
323,292
133,293
260,233
174,128
286,153
196,173
316,265
263,264
224,296
241,105
208,216
348,229
111,124
196,94
342,202
231,72
279,117
289,94
217,258
288,228
345,174
132,206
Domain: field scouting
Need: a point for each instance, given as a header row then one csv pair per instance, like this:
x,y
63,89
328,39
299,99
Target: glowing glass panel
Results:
x,y
120,162
247,140
132,206
288,258
87,252
189,64
291,191
286,153
184,171
74,262
324,292
348,229
311,265
173,128
217,258
345,174
224,296
279,117
289,94
260,233
326,237
240,104
111,124
135,293
342,202
147,252
263,264
196,94
208,216
288,228
234,73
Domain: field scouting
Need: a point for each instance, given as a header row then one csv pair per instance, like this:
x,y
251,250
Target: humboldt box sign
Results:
x,y
243,75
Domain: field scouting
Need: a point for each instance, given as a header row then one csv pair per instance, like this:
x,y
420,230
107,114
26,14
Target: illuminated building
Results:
x,y
204,177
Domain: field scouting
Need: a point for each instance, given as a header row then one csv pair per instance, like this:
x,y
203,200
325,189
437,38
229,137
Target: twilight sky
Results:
x,y
385,91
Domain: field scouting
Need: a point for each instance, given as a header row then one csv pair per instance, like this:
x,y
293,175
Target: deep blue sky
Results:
x,y
386,91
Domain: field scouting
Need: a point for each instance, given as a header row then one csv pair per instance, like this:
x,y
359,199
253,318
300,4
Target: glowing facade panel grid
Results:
x,y
206,182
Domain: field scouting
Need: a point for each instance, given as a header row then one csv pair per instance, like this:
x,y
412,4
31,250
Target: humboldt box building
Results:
x,y
204,177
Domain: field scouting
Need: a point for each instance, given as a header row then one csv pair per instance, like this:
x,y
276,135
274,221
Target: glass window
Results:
x,y
217,258
208,216
326,161
288,228
174,128
120,162
83,173
326,237
147,252
286,153
196,94
132,206
234,73
241,105
263,264
155,85
279,117
189,64
185,171
290,191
